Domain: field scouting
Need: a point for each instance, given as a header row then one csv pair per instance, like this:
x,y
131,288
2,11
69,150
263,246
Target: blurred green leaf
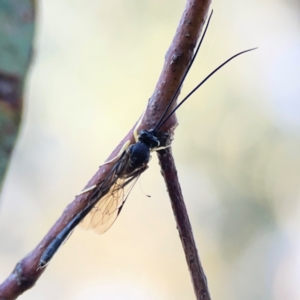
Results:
x,y
17,23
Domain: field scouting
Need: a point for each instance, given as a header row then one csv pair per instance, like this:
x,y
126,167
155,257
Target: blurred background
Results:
x,y
237,148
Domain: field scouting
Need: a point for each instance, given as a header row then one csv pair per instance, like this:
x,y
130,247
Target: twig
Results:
x,y
169,172
178,56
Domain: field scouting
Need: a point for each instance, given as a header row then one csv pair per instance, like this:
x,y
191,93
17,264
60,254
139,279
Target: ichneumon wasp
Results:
x,y
108,197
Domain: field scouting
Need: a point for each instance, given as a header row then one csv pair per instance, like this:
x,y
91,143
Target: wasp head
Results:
x,y
148,137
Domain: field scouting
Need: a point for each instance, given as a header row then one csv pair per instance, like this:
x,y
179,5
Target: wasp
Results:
x,y
108,197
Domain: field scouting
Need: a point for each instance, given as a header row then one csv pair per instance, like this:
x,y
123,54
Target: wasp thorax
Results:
x,y
139,155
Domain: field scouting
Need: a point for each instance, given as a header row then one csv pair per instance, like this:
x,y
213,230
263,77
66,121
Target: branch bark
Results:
x,y
169,172
177,58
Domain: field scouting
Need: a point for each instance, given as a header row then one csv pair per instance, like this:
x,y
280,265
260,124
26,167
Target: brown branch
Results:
x,y
177,58
169,172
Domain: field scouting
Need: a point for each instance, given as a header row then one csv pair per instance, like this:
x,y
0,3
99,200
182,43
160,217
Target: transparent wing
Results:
x,y
106,211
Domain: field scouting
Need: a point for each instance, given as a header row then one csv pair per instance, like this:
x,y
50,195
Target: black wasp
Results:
x,y
108,197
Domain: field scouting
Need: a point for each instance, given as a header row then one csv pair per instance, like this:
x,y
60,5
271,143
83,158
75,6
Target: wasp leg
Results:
x,y
135,131
126,145
87,190
123,149
161,148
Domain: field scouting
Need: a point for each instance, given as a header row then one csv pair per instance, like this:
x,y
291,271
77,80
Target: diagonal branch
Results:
x,y
169,172
177,58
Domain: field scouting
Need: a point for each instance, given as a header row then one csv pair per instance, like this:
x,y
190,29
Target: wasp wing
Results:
x,y
106,210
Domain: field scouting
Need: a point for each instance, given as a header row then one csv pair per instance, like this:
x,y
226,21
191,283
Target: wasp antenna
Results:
x,y
201,83
161,121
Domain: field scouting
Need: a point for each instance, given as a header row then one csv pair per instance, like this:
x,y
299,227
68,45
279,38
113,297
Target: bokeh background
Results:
x,y
237,151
